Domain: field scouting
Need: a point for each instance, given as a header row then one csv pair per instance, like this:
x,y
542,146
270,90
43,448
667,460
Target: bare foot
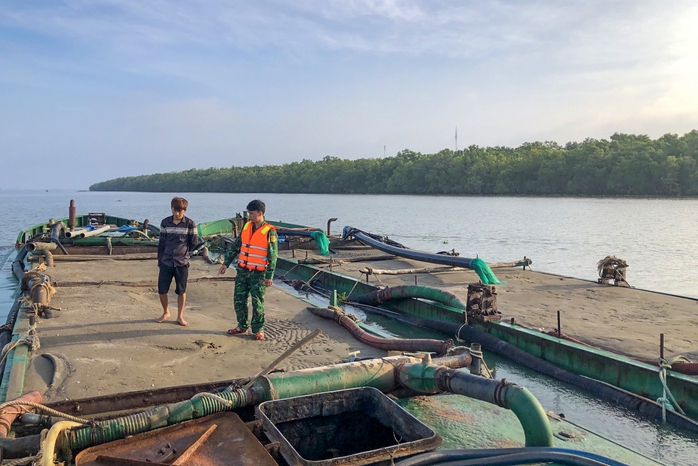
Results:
x,y
163,317
183,323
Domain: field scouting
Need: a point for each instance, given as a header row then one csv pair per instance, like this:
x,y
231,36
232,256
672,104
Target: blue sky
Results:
x,y
98,90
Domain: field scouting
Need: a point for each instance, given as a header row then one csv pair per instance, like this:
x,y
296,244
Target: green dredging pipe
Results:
x,y
431,378
410,291
385,374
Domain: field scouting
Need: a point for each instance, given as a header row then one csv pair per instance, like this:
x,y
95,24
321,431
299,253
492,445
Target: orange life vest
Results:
x,y
255,247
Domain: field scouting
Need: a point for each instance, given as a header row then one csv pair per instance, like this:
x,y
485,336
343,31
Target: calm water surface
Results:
x,y
657,237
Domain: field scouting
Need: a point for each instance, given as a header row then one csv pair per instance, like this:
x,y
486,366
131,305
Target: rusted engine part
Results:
x,y
215,439
388,344
38,289
612,271
482,303
10,413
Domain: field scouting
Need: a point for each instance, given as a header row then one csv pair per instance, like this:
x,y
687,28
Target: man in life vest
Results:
x,y
254,252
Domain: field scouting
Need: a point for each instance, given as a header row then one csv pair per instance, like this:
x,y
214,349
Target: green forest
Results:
x,y
623,165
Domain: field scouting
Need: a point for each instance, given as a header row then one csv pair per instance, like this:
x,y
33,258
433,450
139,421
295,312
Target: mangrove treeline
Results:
x,y
624,165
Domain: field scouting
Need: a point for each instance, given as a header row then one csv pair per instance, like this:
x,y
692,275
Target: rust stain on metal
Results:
x,y
505,444
212,440
195,446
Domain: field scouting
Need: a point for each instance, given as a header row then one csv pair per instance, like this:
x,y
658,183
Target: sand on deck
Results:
x,y
108,341
623,320
106,338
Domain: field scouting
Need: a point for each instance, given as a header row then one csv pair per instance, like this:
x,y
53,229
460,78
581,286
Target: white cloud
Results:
x,y
188,83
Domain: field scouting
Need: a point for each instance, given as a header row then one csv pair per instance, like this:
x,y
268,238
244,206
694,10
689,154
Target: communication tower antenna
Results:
x,y
383,150
456,138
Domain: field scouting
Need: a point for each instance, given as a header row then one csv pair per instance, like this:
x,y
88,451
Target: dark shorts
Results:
x,y
180,274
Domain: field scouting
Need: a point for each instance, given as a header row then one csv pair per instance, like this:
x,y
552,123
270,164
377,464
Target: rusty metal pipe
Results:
x,y
333,219
71,215
41,246
48,257
387,344
460,357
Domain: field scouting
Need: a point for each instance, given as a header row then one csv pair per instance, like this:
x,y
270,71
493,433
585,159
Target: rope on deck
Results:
x,y
667,400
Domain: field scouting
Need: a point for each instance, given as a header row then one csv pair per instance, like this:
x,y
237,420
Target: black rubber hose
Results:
x,y
55,235
18,263
351,231
20,447
290,232
6,333
524,458
53,240
453,261
513,456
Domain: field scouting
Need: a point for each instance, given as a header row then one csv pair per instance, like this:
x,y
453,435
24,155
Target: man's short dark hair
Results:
x,y
256,205
179,203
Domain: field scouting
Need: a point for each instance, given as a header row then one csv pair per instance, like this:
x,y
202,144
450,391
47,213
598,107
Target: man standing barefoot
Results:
x,y
177,240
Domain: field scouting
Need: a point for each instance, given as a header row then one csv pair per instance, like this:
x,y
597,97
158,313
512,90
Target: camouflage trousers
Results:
x,y
249,283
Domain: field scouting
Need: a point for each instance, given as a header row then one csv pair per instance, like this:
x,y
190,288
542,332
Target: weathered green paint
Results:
x,y
115,241
420,377
217,227
15,369
222,227
619,371
12,385
466,423
374,373
353,287
80,221
628,374
532,416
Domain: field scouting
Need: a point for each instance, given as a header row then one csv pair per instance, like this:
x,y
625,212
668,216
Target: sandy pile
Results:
x,y
107,339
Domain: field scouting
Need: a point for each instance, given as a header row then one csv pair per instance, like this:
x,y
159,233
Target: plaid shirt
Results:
x,y
177,241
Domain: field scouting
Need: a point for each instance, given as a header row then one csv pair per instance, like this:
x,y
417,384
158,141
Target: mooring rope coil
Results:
x,y
667,399
31,339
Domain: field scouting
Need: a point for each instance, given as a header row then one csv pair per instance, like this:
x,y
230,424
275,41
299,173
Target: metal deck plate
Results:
x,y
218,439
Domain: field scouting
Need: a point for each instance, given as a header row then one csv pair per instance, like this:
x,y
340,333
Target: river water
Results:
x,y
657,237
